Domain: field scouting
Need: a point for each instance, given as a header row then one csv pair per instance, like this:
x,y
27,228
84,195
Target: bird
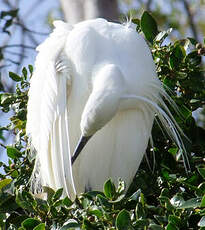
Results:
x,y
93,98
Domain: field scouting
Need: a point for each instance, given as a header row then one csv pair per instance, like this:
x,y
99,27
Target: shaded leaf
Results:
x,y
202,205
58,194
14,77
30,223
13,152
191,203
67,202
71,225
202,172
40,227
4,183
109,189
155,227
123,220
149,26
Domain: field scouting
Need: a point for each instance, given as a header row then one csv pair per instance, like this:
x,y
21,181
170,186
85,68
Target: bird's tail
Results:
x,y
47,112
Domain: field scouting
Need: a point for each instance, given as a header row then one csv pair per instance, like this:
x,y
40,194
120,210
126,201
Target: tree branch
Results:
x,y
148,5
18,45
190,19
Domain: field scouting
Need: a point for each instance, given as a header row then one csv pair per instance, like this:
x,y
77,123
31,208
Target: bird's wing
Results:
x,y
47,121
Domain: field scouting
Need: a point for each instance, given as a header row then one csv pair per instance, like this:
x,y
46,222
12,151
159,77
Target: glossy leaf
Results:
x,y
58,194
71,225
30,223
109,189
4,183
14,77
13,152
149,26
123,221
202,172
40,227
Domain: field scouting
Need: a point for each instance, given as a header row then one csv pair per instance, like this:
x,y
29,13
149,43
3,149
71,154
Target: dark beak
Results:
x,y
82,142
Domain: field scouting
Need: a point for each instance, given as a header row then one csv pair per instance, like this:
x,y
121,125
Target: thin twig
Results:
x,y
4,66
190,19
14,62
14,53
18,45
2,145
29,30
148,5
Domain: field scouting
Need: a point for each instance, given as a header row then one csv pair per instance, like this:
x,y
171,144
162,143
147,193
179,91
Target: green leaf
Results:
x,y
202,172
202,205
177,201
87,225
170,226
42,205
25,200
169,82
15,77
149,26
135,196
96,212
162,35
67,202
109,189
58,194
30,223
24,71
202,222
155,227
177,56
13,152
40,227
70,225
140,211
50,193
192,40
7,203
201,189
191,203
175,220
7,98
30,67
141,223
14,174
193,58
4,183
103,201
123,221
136,21
12,13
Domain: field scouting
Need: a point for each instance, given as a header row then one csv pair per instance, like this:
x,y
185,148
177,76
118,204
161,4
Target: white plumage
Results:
x,y
97,79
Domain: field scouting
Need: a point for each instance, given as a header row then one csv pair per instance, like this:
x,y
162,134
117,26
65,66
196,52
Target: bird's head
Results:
x,y
103,103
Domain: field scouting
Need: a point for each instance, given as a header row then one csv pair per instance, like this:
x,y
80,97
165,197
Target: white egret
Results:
x,y
95,80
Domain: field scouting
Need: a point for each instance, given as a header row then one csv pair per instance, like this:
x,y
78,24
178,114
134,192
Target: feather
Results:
x,y
47,111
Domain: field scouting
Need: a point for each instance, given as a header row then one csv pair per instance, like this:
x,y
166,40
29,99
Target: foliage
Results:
x,y
166,199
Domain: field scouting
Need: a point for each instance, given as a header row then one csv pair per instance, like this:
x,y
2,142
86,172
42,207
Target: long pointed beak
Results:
x,y
81,143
